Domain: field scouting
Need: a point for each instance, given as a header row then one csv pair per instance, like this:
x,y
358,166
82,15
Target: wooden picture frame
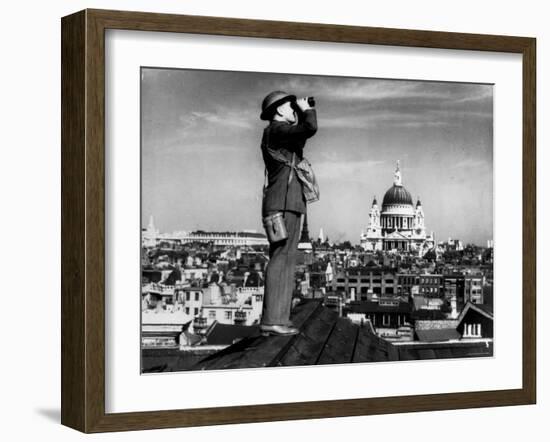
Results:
x,y
83,220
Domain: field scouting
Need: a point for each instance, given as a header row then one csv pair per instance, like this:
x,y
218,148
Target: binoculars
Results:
x,y
310,101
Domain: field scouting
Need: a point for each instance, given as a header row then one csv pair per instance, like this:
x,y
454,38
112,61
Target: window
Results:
x,y
186,310
188,296
385,319
196,311
197,296
228,314
353,280
472,331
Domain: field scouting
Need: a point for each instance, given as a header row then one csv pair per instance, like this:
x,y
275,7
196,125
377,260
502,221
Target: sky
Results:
x,y
202,166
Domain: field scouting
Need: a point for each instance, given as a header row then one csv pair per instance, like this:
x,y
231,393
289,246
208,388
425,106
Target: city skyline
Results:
x,y
202,167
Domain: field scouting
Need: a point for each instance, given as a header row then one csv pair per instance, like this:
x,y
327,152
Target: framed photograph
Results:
x,y
267,221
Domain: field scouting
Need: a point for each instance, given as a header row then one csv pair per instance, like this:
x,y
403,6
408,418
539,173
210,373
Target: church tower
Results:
x,y
418,226
150,235
374,216
305,242
374,229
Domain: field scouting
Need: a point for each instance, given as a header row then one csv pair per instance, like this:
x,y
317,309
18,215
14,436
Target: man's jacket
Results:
x,y
286,139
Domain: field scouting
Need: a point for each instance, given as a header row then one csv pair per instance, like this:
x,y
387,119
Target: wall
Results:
x,y
30,220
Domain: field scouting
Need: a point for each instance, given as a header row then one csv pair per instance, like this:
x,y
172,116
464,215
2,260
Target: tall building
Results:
x,y
150,235
305,242
399,225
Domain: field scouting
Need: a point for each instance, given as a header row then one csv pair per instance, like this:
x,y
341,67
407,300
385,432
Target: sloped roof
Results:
x,y
324,338
477,308
227,334
437,335
436,324
444,350
164,318
373,307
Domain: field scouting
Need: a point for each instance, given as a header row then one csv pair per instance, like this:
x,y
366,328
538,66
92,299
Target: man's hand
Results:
x,y
303,104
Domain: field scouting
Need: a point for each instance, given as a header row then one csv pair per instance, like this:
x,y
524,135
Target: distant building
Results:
x,y
151,234
425,284
305,241
399,225
389,317
361,283
245,238
463,288
191,299
151,237
454,245
157,296
163,329
475,321
305,248
242,306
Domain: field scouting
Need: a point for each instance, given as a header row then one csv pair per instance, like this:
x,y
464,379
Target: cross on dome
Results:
x,y
397,176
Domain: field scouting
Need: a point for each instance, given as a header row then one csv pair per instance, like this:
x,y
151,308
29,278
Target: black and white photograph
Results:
x,y
295,220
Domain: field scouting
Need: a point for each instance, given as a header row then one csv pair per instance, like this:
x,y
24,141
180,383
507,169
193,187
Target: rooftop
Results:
x,y
227,334
326,338
373,307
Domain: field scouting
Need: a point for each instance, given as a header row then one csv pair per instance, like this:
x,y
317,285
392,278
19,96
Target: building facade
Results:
x,y
151,237
398,225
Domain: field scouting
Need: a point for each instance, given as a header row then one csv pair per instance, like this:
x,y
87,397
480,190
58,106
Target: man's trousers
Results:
x,y
280,277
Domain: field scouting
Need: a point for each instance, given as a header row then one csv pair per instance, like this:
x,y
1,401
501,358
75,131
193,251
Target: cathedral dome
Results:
x,y
397,195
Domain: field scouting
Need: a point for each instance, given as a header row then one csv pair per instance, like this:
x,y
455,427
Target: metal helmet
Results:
x,y
272,101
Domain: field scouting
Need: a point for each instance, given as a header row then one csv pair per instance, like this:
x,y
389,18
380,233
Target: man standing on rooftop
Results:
x,y
292,122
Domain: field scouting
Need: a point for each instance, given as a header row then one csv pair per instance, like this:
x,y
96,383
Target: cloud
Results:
x,y
470,163
372,119
397,119
368,90
215,120
357,103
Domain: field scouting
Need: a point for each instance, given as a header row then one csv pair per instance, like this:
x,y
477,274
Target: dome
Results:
x,y
397,195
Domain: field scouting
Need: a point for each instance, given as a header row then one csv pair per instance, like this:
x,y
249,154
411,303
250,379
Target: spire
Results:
x,y
418,203
305,232
397,176
321,235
